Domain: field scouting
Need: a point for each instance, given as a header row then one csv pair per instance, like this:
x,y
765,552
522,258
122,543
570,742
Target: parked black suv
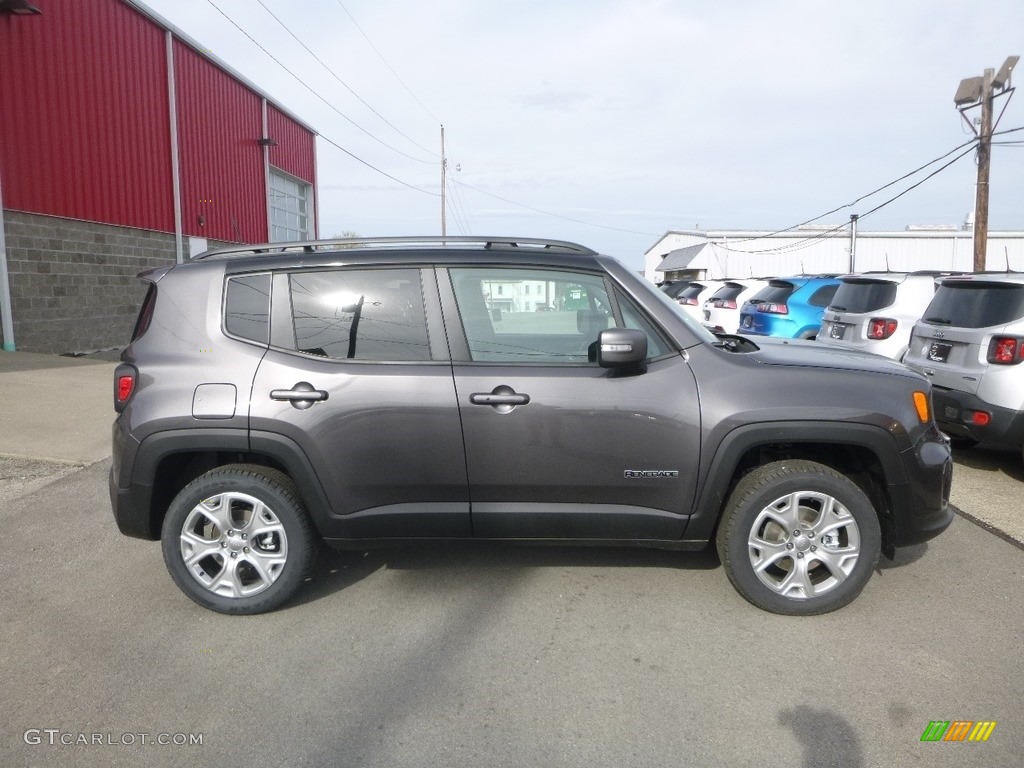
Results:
x,y
374,391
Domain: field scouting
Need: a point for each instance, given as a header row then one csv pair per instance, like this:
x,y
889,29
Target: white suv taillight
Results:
x,y
1006,350
881,327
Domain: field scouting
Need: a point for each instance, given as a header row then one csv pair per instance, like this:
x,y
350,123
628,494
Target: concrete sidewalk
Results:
x,y
55,408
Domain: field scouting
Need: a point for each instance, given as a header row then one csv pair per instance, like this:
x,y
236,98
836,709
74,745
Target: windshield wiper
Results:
x,y
939,320
837,307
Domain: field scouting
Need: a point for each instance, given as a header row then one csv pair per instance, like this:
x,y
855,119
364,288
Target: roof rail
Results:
x,y
313,246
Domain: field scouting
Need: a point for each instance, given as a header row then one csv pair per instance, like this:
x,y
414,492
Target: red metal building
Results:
x,y
110,117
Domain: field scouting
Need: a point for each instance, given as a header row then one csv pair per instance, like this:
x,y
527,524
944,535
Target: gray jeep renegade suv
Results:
x,y
372,391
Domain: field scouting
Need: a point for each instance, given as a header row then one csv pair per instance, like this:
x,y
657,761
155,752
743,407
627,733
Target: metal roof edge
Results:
x,y
697,232
199,48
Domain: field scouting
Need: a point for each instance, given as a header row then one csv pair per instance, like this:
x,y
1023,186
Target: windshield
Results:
x,y
976,304
863,296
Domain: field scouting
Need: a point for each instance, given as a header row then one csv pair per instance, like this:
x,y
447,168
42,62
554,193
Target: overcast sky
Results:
x,y
633,117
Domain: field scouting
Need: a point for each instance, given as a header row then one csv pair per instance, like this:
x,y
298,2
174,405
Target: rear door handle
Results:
x,y
301,396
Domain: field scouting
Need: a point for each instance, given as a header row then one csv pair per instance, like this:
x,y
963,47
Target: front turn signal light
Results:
x,y
921,406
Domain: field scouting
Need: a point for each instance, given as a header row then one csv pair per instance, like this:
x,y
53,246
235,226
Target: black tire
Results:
x,y
774,553
209,523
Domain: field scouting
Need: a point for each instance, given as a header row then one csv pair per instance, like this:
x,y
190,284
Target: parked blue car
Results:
x,y
788,307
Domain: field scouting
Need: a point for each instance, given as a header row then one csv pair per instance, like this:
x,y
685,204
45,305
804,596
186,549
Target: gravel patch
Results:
x,y
20,477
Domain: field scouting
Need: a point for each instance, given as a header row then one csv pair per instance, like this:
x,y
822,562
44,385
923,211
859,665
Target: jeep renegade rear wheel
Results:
x,y
237,540
798,538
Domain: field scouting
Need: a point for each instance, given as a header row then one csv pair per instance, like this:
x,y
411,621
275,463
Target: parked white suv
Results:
x,y
876,311
722,309
970,344
693,296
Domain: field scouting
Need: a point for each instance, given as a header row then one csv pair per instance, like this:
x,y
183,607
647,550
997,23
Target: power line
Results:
x,y
862,197
381,57
460,204
456,209
918,184
346,85
807,242
311,90
375,168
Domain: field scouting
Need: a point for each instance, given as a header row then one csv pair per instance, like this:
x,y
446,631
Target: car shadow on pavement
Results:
x,y
337,570
904,556
991,459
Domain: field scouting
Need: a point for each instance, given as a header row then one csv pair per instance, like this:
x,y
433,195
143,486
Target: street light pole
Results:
x,y
444,180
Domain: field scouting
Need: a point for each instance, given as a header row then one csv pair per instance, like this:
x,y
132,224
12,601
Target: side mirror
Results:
x,y
621,348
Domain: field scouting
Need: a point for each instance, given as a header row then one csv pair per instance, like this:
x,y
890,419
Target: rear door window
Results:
x,y
976,304
360,314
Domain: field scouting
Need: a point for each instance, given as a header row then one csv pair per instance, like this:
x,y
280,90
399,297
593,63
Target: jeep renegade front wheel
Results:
x,y
797,537
237,540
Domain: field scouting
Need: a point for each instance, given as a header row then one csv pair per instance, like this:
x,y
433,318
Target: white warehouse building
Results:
x,y
718,254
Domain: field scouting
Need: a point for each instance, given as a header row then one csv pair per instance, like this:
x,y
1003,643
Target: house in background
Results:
x,y
738,254
125,145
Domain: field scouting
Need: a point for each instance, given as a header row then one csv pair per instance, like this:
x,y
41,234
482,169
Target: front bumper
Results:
x,y
922,504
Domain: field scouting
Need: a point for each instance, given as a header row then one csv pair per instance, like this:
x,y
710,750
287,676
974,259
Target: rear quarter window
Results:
x,y
823,296
247,308
976,305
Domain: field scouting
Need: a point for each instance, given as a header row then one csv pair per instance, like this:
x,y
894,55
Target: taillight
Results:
x,y
881,327
775,309
692,302
725,304
978,418
125,379
1006,350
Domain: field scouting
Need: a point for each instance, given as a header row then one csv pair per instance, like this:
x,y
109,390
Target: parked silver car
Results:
x,y
970,344
876,311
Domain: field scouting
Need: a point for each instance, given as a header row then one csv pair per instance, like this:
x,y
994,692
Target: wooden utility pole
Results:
x,y
444,170
971,92
984,166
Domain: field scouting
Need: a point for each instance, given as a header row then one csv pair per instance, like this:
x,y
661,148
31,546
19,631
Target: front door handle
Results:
x,y
301,396
491,399
503,398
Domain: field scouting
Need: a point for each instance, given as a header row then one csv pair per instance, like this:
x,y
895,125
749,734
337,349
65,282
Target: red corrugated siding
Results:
x,y
294,151
219,126
83,114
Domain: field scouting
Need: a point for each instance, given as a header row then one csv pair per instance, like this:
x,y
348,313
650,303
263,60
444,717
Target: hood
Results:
x,y
799,352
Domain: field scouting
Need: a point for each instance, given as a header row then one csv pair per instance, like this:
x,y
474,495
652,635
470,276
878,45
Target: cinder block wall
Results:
x,y
73,284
